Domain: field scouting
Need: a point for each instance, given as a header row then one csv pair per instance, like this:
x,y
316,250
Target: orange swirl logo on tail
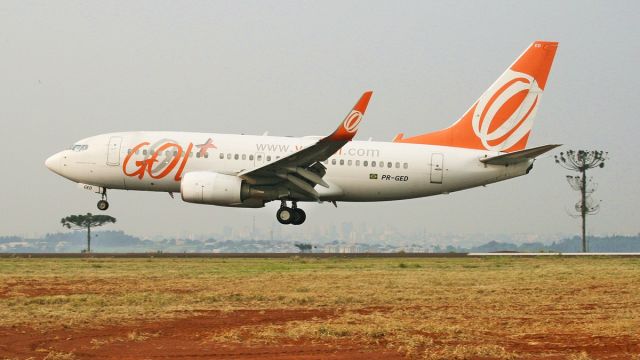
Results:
x,y
352,121
504,114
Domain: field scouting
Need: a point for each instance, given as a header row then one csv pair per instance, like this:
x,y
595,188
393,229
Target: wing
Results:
x,y
302,170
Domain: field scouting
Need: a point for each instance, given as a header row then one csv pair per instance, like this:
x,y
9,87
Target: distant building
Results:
x,y
342,249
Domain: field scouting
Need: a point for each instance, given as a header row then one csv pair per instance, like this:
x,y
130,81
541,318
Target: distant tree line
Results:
x,y
574,244
118,241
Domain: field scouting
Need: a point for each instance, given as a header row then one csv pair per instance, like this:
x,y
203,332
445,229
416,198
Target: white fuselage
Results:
x,y
360,171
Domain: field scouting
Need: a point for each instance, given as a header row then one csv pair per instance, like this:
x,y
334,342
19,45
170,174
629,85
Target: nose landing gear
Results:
x,y
290,215
103,204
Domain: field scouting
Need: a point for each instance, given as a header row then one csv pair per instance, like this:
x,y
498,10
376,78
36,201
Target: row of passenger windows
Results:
x,y
366,163
341,162
229,156
167,153
244,157
259,157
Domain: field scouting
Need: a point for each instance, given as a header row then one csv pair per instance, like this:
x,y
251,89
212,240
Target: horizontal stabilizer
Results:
x,y
518,156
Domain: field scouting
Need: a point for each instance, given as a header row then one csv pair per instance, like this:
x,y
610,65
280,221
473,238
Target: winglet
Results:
x,y
349,126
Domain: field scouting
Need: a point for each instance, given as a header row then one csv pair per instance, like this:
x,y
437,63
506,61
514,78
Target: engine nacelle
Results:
x,y
207,187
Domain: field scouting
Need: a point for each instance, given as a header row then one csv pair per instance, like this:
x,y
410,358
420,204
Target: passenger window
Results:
x,y
268,157
357,162
229,156
129,151
236,156
259,157
244,156
397,165
144,152
349,162
373,164
365,163
206,155
381,164
221,155
389,164
333,161
406,166
198,155
251,157
341,162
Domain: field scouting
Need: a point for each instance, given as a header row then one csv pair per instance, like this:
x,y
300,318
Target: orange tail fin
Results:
x,y
502,118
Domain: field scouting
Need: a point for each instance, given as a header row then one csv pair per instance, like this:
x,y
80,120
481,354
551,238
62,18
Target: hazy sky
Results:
x,y
71,69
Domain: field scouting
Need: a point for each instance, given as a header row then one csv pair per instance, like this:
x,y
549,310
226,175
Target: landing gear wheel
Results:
x,y
299,216
285,215
103,205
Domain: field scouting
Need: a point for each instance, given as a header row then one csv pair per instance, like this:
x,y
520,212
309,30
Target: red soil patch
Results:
x,y
198,336
557,346
186,338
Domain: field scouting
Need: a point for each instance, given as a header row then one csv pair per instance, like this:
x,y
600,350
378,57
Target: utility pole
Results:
x,y
581,161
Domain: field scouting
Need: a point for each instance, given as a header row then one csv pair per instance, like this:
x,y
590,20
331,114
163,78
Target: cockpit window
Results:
x,y
79,147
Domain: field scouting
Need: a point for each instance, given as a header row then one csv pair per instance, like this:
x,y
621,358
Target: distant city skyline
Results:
x,y
107,241
77,69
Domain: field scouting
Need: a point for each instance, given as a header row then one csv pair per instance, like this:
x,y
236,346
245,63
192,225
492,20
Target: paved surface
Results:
x,y
288,255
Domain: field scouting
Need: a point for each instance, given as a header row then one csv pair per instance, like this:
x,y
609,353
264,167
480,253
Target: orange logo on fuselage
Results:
x,y
159,160
205,147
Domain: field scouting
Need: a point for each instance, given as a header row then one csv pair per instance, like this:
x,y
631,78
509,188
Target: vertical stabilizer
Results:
x,y
502,118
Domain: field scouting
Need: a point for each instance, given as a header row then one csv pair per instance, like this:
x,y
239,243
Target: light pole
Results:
x,y
581,161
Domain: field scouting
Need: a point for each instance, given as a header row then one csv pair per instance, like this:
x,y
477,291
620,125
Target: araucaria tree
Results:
x,y
80,222
304,248
581,161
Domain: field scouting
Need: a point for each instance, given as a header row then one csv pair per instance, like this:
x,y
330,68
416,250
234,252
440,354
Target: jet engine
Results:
x,y
208,187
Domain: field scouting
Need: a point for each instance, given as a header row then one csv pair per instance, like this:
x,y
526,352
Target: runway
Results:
x,y
305,255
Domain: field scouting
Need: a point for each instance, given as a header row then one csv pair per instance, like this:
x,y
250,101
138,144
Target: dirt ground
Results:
x,y
185,338
320,309
194,337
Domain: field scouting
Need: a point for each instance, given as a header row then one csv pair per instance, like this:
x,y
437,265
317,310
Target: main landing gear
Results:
x,y
292,215
103,204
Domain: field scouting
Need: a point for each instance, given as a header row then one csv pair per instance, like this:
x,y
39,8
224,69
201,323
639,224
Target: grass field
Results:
x,y
306,308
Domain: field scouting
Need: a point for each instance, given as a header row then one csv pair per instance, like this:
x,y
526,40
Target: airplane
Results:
x,y
486,145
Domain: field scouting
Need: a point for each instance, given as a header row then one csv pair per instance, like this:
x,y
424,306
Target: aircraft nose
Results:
x,y
54,163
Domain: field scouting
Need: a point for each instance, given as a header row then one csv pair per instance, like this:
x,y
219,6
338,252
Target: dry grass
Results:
x,y
430,308
55,355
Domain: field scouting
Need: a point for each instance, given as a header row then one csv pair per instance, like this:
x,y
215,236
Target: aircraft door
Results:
x,y
437,168
113,153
